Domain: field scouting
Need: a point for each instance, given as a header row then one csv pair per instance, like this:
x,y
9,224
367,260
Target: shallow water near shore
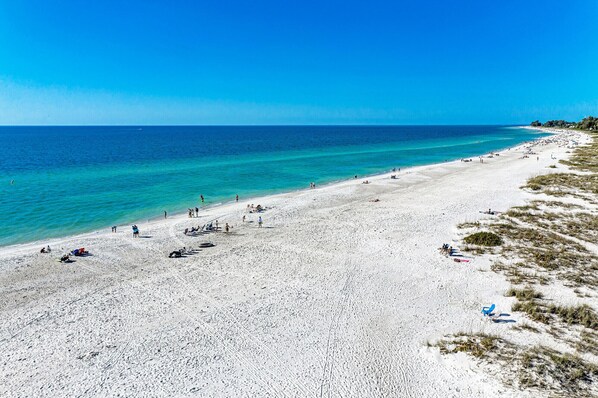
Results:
x,y
57,181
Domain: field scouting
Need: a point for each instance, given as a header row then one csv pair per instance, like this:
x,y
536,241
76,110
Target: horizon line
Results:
x,y
262,125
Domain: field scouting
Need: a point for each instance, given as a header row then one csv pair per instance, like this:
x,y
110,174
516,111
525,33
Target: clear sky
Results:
x,y
297,62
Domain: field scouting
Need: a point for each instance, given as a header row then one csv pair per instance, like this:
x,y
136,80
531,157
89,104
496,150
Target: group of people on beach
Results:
x,y
312,185
210,227
135,231
255,209
446,249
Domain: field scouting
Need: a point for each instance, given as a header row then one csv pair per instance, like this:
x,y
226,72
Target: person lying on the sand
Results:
x,y
79,252
490,212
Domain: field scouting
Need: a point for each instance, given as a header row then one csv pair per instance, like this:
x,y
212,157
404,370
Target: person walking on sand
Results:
x,y
259,222
196,211
243,217
226,227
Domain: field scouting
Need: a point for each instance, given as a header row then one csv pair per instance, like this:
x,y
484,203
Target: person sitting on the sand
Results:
x,y
64,258
186,231
43,250
444,249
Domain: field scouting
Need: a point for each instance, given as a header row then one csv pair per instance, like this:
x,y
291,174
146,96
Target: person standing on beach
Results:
x,y
237,198
259,221
196,211
165,214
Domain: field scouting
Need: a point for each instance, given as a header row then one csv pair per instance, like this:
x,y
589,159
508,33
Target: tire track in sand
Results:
x,y
331,346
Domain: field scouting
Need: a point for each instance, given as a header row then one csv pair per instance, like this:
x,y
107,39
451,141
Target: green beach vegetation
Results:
x,y
545,242
589,123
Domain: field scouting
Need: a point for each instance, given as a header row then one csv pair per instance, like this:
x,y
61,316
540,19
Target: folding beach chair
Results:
x,y
487,311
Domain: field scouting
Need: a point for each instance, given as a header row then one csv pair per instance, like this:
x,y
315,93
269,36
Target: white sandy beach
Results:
x,y
335,296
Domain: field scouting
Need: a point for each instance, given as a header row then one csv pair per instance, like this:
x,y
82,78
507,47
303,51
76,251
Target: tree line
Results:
x,y
587,123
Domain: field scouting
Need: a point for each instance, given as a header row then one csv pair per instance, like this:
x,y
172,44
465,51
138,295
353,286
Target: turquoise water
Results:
x,y
76,179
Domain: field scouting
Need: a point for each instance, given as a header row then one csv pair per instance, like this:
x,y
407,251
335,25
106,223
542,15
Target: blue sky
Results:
x,y
297,62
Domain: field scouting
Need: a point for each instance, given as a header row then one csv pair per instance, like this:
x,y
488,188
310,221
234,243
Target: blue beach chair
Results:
x,y
487,311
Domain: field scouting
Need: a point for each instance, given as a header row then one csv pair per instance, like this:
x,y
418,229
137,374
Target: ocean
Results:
x,y
58,181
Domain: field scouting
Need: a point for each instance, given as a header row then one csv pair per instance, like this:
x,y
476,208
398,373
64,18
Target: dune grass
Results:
x,y
565,374
585,158
529,302
538,367
560,184
541,241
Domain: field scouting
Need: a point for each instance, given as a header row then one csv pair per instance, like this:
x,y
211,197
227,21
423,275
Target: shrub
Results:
x,y
483,239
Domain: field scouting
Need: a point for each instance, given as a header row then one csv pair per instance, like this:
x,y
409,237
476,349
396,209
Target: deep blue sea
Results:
x,y
77,179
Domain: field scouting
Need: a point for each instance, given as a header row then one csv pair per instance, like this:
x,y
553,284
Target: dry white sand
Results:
x,y
335,296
